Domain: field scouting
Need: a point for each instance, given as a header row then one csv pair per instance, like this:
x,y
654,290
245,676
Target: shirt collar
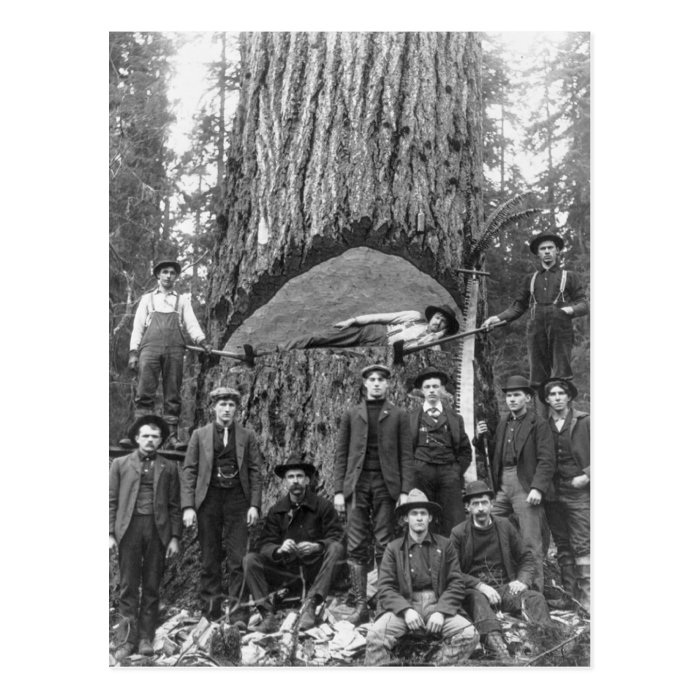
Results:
x,y
162,291
438,405
554,268
511,417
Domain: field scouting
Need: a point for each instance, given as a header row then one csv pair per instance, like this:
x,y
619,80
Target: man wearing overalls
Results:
x,y
158,346
554,296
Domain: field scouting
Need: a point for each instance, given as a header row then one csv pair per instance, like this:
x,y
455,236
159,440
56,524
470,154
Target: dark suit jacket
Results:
x,y
124,481
395,449
534,448
460,440
196,469
518,561
394,587
315,521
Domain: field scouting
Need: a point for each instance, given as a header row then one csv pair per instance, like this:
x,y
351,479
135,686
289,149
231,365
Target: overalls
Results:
x,y
162,350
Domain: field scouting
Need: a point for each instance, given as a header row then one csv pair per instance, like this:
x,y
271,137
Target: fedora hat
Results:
x,y
224,392
166,263
571,389
452,322
366,371
517,382
417,499
429,373
477,488
148,420
295,461
535,242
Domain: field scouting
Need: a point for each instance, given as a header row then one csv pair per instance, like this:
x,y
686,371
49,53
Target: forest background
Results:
x,y
166,184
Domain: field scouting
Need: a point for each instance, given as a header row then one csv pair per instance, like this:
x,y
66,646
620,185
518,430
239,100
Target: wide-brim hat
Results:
x,y
417,499
224,392
452,322
477,488
366,371
429,373
148,420
295,461
571,388
166,263
517,382
535,242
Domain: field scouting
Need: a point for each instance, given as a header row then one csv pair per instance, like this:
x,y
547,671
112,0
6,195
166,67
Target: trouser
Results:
x,y
442,484
316,571
155,361
458,634
512,498
371,334
141,563
569,518
223,535
550,339
531,603
370,497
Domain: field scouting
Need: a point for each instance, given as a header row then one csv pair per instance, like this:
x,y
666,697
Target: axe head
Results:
x,y
249,356
398,352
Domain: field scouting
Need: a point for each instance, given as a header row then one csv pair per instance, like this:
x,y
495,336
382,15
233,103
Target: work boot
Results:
x,y
583,586
239,618
496,645
308,619
358,582
126,649
568,583
145,647
212,611
268,624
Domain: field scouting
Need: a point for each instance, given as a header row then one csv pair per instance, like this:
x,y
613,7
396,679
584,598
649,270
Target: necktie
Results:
x,y
225,436
433,412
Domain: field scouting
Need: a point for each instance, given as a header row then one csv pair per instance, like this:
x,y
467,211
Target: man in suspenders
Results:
x,y
554,297
158,346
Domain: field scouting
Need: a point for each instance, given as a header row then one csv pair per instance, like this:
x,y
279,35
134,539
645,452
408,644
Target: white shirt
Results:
x,y
164,302
438,405
403,325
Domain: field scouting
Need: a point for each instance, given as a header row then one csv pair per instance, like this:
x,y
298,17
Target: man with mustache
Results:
x,y
302,539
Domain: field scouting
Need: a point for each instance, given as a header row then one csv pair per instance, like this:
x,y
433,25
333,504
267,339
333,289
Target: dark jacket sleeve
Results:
x,y
174,511
255,470
388,583
544,470
113,493
464,450
522,556
189,471
330,523
406,452
581,443
453,595
520,303
457,541
271,535
341,453
576,294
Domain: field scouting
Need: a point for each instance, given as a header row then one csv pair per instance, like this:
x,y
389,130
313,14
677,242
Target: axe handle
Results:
x,y
222,353
447,339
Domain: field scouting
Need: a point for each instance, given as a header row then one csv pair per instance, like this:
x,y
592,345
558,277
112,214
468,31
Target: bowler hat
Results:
x,y
224,392
571,390
477,488
535,242
166,263
295,461
452,322
148,420
417,499
366,371
429,373
516,382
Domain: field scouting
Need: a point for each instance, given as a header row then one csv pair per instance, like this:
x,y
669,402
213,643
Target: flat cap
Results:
x,y
224,392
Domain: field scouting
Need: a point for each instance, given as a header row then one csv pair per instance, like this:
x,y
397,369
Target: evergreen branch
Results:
x,y
505,220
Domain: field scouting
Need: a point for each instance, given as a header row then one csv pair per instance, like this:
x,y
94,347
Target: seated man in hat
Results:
x,y
497,569
554,296
221,481
420,587
522,466
144,527
157,346
441,450
383,329
371,462
302,539
569,510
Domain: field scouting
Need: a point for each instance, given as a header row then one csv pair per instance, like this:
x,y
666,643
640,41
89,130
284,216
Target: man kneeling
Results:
x,y
498,569
420,588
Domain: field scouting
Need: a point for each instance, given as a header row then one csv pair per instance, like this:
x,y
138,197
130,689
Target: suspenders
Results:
x,y
151,307
560,295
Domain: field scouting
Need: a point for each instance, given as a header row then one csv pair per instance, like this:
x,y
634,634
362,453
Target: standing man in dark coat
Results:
x,y
222,493
497,569
441,450
157,346
554,296
144,527
371,461
522,466
569,508
420,588
302,539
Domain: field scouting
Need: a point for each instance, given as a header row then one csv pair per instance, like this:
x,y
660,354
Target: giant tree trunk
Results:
x,y
340,141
